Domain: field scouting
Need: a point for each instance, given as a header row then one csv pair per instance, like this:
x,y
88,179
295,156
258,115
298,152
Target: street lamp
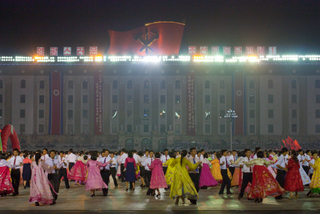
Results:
x,y
231,114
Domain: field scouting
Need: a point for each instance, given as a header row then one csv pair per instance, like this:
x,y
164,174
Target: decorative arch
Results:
x,y
6,132
146,144
129,144
162,144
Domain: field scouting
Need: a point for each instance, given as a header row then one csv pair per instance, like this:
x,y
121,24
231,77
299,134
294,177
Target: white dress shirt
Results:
x,y
136,157
226,161
15,162
52,163
105,160
147,161
72,158
5,163
44,157
311,170
164,159
123,158
306,158
113,163
64,162
281,161
245,169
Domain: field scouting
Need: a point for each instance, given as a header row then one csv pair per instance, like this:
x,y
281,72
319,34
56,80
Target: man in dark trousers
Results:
x,y
63,169
16,162
53,177
105,171
247,172
194,174
281,168
146,164
224,165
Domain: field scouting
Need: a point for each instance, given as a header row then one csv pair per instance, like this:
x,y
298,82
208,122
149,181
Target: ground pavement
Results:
x,y
77,200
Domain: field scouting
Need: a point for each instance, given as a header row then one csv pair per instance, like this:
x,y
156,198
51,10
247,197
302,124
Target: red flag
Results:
x,y
159,38
296,144
290,139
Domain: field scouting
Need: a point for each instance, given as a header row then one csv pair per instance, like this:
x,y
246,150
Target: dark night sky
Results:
x,y
293,26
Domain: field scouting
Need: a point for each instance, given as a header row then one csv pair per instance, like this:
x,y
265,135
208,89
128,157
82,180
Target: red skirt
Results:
x,y
5,180
78,172
293,181
264,184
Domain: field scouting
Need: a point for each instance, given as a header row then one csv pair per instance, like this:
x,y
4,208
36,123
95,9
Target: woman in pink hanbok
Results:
x,y
206,178
5,177
158,180
40,185
78,172
94,180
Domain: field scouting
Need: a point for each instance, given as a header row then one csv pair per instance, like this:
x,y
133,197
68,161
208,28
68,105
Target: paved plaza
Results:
x,y
77,200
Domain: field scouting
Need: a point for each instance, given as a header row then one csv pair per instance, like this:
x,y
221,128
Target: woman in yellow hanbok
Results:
x,y
182,184
170,170
315,180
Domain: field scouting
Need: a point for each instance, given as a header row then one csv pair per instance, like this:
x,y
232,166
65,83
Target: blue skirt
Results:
x,y
26,172
130,173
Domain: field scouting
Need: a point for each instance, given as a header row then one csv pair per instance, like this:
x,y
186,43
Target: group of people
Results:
x,y
257,173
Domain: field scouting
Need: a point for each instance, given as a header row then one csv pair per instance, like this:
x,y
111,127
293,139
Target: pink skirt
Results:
x,y
78,172
206,178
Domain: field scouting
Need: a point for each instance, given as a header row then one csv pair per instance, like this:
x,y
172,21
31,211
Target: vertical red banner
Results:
x,y
55,125
239,102
191,104
98,98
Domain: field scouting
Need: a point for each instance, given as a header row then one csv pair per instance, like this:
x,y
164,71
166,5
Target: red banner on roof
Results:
x,y
159,38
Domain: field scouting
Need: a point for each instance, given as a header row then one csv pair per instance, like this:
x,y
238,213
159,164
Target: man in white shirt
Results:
x,y
16,162
232,158
224,165
164,159
247,172
281,169
105,171
63,169
53,177
113,168
305,161
194,174
44,154
72,159
123,158
147,162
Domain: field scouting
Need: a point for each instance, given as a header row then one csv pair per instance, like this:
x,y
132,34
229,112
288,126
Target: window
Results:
x,y
41,84
270,113
222,128
41,98
41,113
222,113
85,99
162,128
22,113
270,84
114,114
162,84
41,128
0,114
129,98
222,85
146,112
85,114
317,128
145,128
207,98
177,128
294,128
317,98
70,84
114,99
177,115
129,113
146,84
252,114
270,128
252,129
85,84
207,129
252,99
114,128
23,84
293,98
162,98
22,128
294,113
70,114
129,128
22,98
0,98
115,84
1,84
146,98
270,98
293,84
85,128
207,114
317,113
317,84
207,84
129,84
70,98
222,99
162,113
177,99
177,84
70,129
251,84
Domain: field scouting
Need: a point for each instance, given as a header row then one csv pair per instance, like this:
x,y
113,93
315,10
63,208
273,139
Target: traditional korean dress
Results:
x,y
26,171
293,181
206,178
94,180
79,171
304,176
182,184
315,181
263,182
130,165
215,170
158,180
170,171
5,177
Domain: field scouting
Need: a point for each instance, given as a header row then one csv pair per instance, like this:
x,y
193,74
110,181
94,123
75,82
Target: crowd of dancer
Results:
x,y
257,173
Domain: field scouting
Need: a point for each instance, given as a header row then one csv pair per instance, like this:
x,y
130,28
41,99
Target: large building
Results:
x,y
146,103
